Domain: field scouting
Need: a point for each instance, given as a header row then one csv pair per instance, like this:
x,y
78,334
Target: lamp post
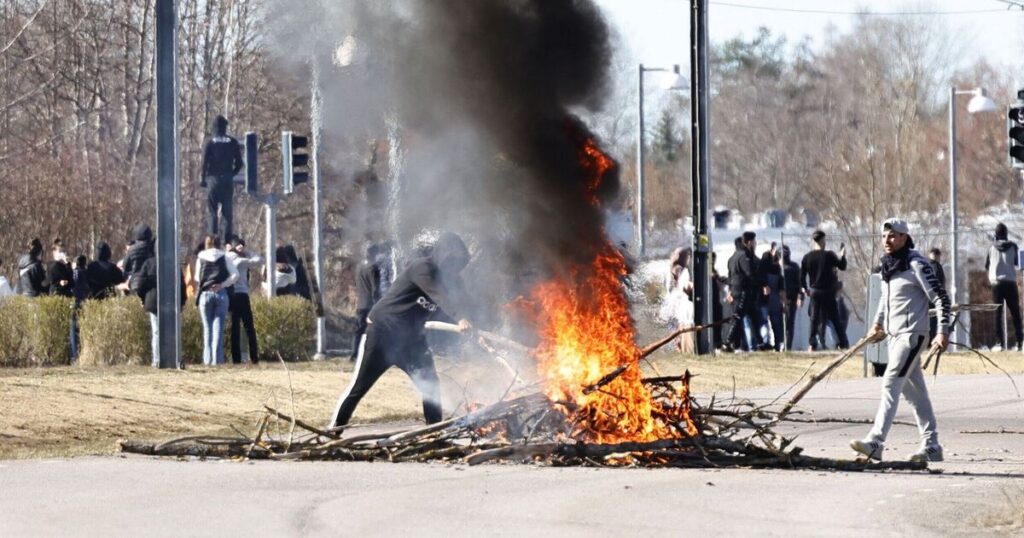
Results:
x,y
979,103
676,82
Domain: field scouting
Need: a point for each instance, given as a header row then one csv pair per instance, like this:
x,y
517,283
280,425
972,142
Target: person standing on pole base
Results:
x,y
818,276
395,336
222,159
909,289
1001,265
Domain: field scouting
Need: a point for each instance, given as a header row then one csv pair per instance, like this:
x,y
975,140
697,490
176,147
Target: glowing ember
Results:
x,y
586,333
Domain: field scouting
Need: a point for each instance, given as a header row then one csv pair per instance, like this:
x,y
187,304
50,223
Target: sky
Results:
x,y
657,31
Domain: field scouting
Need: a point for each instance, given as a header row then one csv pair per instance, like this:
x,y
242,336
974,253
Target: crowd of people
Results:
x,y
217,280
764,293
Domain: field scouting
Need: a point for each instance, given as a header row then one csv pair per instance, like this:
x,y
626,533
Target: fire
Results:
x,y
586,333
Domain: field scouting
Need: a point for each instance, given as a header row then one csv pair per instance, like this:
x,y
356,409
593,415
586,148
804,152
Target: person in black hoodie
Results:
x,y
103,276
31,274
222,159
429,286
141,250
80,290
370,285
794,294
59,275
745,289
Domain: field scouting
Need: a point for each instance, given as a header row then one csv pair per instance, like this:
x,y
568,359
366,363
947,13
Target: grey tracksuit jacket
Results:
x,y
907,297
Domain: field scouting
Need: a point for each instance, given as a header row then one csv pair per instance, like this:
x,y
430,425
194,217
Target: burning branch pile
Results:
x,y
595,407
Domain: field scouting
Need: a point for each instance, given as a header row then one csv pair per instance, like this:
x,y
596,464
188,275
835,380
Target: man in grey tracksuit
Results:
x,y
909,288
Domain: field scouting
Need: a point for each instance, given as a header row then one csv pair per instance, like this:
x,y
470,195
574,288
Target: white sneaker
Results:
x,y
871,449
997,348
927,453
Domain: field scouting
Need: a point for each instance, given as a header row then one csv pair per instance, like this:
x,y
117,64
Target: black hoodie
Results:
x,y
61,272
427,285
141,250
31,276
222,155
743,271
103,275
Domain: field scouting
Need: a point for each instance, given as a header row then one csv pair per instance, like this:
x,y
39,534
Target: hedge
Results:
x,y
35,332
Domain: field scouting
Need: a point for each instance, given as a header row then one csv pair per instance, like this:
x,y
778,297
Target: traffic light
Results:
x,y
251,168
1015,131
295,160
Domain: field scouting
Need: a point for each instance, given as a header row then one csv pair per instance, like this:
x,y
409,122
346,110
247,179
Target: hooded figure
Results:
x,y
143,248
372,280
102,275
1001,265
429,288
31,274
222,159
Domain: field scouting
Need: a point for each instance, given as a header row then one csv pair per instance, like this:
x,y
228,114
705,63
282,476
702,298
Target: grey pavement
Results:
x,y
132,496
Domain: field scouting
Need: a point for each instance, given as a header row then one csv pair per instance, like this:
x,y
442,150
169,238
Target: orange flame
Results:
x,y
586,333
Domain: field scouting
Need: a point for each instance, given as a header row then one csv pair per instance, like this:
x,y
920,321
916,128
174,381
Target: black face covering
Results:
x,y
896,262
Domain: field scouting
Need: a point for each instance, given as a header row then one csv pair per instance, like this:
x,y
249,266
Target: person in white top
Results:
x,y
5,286
214,274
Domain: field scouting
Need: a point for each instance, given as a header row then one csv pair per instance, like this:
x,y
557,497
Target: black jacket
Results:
x,y
791,280
213,268
428,287
222,154
817,270
368,290
147,275
31,277
141,250
940,273
103,275
743,271
61,271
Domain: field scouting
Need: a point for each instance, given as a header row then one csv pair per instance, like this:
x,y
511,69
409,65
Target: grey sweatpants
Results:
x,y
904,375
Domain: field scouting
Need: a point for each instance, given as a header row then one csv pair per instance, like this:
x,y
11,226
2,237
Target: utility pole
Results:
x,y
316,124
168,185
270,201
700,172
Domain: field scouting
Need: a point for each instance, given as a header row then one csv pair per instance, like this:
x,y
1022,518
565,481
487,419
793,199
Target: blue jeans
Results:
x,y
213,307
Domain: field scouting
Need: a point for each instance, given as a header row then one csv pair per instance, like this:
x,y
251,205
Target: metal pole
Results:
x,y
700,171
640,150
168,185
953,258
270,204
318,248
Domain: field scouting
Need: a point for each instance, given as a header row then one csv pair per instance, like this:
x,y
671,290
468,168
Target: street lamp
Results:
x,y
980,102
675,81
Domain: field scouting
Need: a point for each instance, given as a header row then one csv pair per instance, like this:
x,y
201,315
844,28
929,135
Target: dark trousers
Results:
x,y
825,310
357,336
221,197
747,320
790,313
241,314
384,348
1006,292
774,320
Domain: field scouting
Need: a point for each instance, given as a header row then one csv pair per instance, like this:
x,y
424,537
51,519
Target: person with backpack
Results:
x,y
215,273
31,273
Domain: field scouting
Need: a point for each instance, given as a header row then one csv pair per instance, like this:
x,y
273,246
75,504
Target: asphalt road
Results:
x,y
131,496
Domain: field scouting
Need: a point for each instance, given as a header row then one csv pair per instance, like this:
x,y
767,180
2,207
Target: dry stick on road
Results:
x,y
819,376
